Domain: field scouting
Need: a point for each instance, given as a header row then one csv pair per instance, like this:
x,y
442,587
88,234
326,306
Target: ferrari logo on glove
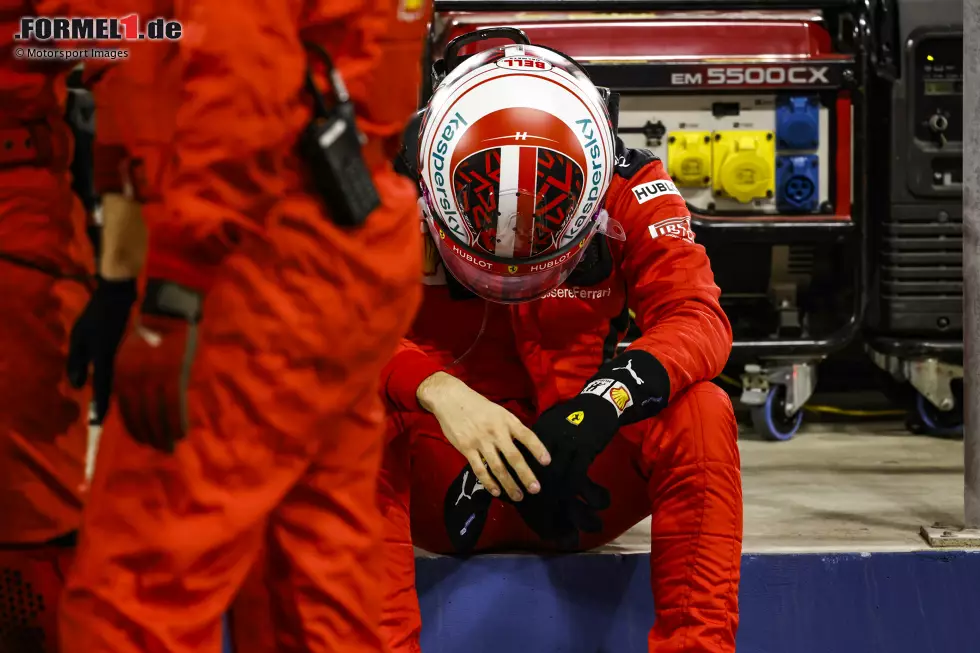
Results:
x,y
576,417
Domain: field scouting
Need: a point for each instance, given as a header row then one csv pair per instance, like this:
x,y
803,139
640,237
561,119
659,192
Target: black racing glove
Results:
x,y
95,337
627,389
560,517
467,505
80,116
465,509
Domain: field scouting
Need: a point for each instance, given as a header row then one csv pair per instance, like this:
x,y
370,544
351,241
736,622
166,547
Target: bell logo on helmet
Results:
x,y
576,418
523,63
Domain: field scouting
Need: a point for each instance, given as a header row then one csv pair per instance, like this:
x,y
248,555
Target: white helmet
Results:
x,y
516,154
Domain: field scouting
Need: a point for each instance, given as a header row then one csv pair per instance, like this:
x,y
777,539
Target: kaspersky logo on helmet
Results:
x,y
441,176
595,174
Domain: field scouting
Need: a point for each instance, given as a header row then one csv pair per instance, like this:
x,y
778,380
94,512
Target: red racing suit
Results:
x,y
284,425
46,263
683,465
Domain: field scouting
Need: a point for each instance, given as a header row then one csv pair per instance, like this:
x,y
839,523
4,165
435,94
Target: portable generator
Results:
x,y
914,320
758,111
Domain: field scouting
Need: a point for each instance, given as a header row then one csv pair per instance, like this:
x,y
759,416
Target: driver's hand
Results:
x,y
484,433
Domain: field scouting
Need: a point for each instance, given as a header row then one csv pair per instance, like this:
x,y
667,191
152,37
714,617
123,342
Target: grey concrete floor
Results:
x,y
842,487
839,487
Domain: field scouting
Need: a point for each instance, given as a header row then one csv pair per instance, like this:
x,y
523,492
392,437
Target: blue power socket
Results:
x,y
798,123
797,182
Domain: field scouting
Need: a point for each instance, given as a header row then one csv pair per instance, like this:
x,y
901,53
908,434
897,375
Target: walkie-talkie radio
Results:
x,y
331,145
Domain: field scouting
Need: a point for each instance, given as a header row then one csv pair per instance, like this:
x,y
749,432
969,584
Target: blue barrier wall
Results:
x,y
811,603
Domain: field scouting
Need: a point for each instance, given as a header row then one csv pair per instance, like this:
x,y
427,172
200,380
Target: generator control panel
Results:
x,y
939,89
934,88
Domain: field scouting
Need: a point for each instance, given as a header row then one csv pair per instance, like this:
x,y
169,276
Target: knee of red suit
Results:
x,y
706,401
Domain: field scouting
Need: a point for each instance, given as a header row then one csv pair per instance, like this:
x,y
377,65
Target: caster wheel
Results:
x,y
929,420
770,419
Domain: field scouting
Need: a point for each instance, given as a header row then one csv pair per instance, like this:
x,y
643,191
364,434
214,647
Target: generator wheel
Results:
x,y
929,420
770,419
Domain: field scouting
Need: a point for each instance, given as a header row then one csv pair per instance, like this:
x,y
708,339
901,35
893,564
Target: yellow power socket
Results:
x,y
743,164
689,158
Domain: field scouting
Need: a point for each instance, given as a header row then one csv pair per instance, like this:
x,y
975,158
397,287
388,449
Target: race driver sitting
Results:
x,y
544,230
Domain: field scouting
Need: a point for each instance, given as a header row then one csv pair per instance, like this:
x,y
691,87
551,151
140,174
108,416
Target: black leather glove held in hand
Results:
x,y
627,389
95,337
574,432
559,517
465,510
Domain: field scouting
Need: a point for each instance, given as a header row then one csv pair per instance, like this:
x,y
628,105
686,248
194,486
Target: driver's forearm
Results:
x,y
123,238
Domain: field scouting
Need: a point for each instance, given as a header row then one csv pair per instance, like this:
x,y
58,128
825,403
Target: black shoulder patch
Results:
x,y
629,161
407,161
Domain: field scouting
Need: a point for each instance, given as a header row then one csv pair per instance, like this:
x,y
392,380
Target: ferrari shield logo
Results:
x,y
576,417
512,269
442,234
